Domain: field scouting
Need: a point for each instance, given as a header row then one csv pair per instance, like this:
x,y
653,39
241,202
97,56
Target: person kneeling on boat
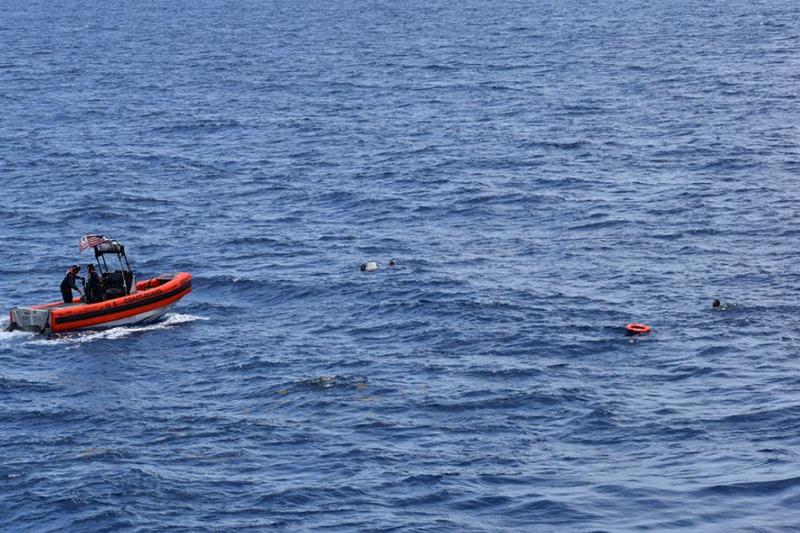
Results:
x,y
70,282
94,286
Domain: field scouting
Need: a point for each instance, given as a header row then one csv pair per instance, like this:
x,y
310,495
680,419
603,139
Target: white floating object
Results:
x,y
369,266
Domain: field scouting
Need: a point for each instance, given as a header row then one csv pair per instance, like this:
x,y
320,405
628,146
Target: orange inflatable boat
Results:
x,y
123,301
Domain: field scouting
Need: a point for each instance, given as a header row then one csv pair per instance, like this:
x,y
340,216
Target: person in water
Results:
x,y
94,287
719,306
70,282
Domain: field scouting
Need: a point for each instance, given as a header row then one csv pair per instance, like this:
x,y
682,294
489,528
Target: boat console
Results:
x,y
119,282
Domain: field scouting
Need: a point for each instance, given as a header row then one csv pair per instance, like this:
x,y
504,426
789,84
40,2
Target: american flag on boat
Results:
x,y
90,241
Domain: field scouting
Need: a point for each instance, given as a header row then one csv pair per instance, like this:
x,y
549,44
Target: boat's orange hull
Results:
x,y
151,295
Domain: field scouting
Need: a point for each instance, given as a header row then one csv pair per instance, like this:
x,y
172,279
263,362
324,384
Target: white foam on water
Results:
x,y
120,332
8,337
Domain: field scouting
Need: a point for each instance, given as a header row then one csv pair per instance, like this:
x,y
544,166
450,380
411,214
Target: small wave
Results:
x,y
504,373
14,384
107,454
334,381
146,200
255,241
440,68
198,126
689,371
557,145
228,280
492,403
757,488
599,225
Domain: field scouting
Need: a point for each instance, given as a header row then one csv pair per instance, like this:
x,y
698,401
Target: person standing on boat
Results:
x,y
94,288
70,282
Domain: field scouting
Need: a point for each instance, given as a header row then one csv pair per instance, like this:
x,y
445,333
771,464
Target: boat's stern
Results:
x,y
29,319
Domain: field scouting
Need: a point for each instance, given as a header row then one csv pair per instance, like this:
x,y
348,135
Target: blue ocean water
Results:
x,y
541,172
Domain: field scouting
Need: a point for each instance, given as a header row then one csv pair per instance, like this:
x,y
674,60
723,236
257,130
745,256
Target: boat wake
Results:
x,y
8,337
120,332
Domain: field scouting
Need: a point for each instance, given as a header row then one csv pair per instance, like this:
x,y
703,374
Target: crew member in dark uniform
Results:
x,y
94,287
70,282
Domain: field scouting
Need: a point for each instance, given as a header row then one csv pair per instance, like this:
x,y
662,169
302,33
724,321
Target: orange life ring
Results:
x,y
637,329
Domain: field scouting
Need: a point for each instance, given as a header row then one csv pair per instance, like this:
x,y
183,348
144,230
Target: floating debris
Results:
x,y
369,266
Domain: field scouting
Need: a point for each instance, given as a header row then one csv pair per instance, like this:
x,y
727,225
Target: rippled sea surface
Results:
x,y
541,172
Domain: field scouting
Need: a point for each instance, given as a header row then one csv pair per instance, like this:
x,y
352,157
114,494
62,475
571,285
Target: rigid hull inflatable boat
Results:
x,y
125,301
